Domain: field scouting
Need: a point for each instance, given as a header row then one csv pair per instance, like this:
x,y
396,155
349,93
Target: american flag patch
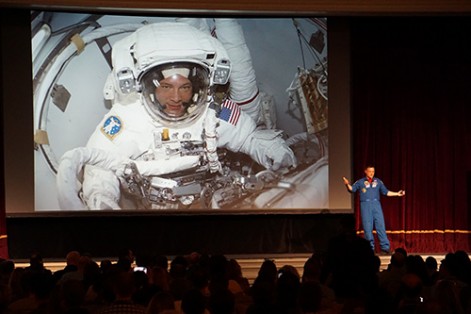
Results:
x,y
230,112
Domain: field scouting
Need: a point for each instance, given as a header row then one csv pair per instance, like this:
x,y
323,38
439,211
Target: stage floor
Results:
x,y
250,264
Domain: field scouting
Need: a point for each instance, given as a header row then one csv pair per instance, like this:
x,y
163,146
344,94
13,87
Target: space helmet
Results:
x,y
170,51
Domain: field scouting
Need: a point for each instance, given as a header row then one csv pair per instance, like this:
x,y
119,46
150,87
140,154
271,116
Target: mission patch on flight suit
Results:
x,y
111,127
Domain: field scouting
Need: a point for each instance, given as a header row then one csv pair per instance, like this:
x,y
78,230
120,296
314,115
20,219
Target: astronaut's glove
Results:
x,y
101,201
280,156
68,184
100,188
268,147
69,181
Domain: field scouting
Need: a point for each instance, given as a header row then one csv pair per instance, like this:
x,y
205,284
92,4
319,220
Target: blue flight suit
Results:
x,y
371,210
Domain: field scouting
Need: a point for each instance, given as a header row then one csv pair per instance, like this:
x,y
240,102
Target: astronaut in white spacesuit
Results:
x,y
167,114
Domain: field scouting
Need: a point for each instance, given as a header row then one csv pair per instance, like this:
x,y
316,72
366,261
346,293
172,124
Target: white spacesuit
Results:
x,y
168,114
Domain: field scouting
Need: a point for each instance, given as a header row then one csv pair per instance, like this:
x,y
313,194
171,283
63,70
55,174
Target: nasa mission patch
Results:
x,y
111,127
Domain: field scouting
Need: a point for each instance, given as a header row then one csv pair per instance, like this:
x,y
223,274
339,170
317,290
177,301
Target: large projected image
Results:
x,y
180,113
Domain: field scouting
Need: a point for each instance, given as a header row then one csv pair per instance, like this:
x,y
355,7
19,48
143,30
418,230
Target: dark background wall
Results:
x,y
103,236
265,234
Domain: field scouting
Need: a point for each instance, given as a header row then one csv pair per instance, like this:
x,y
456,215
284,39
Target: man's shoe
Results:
x,y
384,252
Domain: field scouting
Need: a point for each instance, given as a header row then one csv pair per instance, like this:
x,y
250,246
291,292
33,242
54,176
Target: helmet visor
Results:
x,y
175,92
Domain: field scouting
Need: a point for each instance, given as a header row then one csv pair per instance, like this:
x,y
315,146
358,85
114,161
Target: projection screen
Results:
x,y
73,77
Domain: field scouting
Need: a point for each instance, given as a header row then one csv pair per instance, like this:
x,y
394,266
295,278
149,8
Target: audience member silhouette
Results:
x,y
38,285
310,297
263,290
287,291
311,281
409,295
123,285
447,296
350,267
73,296
143,290
17,285
221,301
389,280
79,272
344,280
4,297
431,265
71,264
179,282
36,264
6,269
194,302
162,303
237,282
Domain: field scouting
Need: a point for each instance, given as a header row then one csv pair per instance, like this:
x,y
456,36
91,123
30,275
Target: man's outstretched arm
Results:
x,y
398,193
347,184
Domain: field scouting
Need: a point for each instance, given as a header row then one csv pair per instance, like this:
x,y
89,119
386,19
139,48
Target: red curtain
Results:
x,y
411,118
3,232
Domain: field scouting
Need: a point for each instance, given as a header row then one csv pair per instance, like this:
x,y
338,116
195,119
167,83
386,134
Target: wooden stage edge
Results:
x,y
249,264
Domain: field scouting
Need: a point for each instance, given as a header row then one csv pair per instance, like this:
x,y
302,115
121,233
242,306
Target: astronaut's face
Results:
x,y
174,94
370,172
